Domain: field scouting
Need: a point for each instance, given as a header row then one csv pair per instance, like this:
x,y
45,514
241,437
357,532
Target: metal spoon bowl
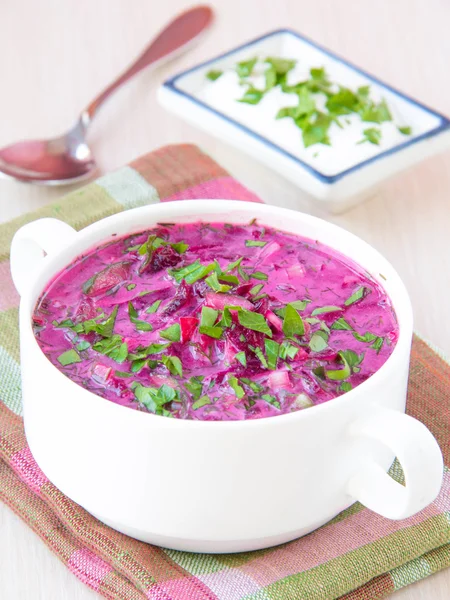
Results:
x,y
68,158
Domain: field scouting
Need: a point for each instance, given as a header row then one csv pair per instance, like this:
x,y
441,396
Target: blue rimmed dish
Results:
x,y
339,175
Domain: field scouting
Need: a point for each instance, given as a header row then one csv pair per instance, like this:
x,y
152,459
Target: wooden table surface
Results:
x,y
55,56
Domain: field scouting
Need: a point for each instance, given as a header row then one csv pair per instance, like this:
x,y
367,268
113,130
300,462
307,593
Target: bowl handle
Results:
x,y
417,451
32,243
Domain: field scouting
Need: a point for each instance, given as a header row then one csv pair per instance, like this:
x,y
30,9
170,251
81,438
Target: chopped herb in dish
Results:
x,y
320,102
215,321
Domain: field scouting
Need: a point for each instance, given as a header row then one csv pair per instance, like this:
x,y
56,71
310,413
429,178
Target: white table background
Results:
x,y
55,56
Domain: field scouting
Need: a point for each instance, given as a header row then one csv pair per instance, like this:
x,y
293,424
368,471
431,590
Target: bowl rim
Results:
x,y
29,297
171,85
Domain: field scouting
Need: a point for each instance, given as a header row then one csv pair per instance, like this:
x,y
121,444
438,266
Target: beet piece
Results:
x,y
219,301
262,306
244,289
107,278
252,338
274,320
38,321
184,293
279,380
187,326
162,258
201,288
85,310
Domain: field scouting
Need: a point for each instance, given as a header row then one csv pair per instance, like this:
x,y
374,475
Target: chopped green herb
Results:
x,y
213,282
228,278
173,363
83,345
255,387
213,75
69,357
346,386
154,307
208,316
288,350
316,131
367,337
292,323
234,265
191,273
137,365
282,66
378,344
258,275
252,96
150,245
154,398
358,295
156,348
297,304
271,400
245,67
233,382
65,323
172,333
106,328
243,275
242,358
203,401
318,341
114,347
214,332
342,103
372,135
341,325
226,320
375,113
254,321
272,351
318,73
405,130
270,76
256,289
260,355
353,359
325,309
340,374
131,286
139,324
195,387
123,374
254,243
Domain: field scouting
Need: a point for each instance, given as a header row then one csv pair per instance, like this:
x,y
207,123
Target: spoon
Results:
x,y
68,158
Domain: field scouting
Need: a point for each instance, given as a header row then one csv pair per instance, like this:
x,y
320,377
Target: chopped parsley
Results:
x,y
214,75
292,323
172,333
254,243
69,357
321,103
154,307
138,323
255,321
360,293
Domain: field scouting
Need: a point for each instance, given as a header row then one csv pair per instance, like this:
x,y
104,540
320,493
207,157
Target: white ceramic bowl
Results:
x,y
220,486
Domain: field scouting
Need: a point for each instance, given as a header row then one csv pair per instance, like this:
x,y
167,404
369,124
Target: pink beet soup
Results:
x,y
214,321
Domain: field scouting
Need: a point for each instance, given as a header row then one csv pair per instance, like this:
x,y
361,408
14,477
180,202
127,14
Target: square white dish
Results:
x,y
338,176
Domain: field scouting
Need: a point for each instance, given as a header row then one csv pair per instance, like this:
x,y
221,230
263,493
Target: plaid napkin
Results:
x,y
357,556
